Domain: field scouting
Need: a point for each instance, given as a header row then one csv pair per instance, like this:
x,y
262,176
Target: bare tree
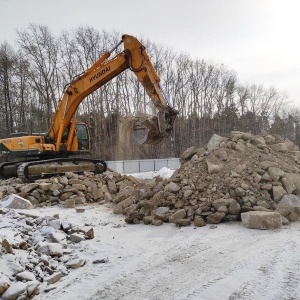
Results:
x,y
41,50
207,95
7,65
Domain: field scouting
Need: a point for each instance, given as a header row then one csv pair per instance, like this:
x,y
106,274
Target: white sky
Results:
x,y
259,39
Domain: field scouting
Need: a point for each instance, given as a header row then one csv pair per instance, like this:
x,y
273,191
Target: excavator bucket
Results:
x,y
146,131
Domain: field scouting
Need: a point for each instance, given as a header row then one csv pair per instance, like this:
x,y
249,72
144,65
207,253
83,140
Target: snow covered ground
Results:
x,y
146,262
227,261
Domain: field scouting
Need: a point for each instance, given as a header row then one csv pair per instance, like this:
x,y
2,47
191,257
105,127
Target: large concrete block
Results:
x,y
261,220
214,142
16,202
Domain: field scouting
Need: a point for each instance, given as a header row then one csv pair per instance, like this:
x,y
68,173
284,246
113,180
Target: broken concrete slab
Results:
x,y
261,220
16,202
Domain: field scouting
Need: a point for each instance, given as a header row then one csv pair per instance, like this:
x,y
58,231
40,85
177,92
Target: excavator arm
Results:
x,y
135,58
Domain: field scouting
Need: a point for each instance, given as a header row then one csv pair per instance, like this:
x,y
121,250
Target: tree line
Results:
x,y
208,96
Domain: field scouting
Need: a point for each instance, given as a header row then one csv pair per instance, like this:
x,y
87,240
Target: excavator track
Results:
x,y
32,170
8,169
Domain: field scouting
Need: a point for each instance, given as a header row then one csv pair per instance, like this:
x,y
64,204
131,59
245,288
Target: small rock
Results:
x,y
188,153
288,185
199,222
240,192
280,147
90,234
7,246
32,287
101,261
213,168
65,225
275,173
25,276
183,222
76,238
76,263
58,237
148,220
157,222
162,210
53,278
50,288
278,193
70,203
52,249
14,291
4,284
215,218
172,187
292,216
179,214
234,208
285,221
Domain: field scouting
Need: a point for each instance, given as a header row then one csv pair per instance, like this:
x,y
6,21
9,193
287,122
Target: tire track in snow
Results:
x,y
229,262
270,272
180,263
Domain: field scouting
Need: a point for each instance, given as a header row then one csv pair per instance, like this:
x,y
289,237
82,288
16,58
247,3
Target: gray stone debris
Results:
x,y
48,257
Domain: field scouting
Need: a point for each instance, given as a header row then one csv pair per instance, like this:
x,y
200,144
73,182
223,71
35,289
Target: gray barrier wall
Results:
x,y
145,165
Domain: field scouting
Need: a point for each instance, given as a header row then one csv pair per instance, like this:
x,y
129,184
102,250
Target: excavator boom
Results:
x,y
135,58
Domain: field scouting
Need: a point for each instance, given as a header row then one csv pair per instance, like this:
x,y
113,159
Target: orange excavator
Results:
x,y
62,149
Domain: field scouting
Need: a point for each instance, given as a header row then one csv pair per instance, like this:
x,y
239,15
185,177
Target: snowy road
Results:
x,y
167,262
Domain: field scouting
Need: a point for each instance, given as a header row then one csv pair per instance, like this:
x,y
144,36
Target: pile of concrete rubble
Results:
x,y
214,184
218,183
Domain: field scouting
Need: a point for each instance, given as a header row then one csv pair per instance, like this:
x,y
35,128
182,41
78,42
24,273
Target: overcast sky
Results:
x,y
259,39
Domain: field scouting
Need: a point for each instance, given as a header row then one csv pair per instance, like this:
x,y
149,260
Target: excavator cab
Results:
x,y
83,137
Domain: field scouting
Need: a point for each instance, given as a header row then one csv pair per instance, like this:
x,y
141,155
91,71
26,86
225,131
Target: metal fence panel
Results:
x,y
173,163
116,165
131,166
143,165
160,163
147,165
